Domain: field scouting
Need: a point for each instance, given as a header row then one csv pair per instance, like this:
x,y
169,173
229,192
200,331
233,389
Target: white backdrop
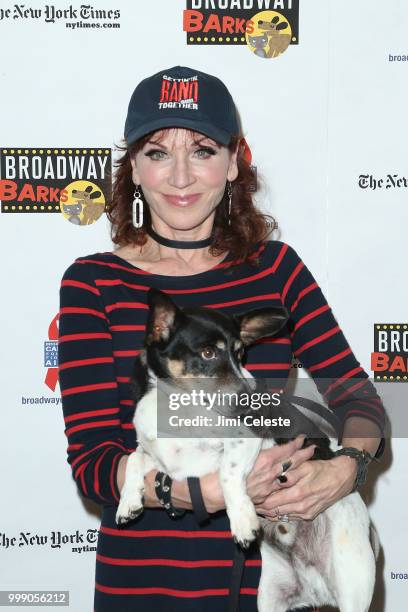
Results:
x,y
316,118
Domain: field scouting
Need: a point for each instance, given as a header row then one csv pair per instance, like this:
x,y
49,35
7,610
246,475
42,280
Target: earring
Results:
x,y
137,209
229,193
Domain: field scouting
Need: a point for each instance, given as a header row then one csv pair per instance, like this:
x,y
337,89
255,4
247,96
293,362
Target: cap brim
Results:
x,y
217,134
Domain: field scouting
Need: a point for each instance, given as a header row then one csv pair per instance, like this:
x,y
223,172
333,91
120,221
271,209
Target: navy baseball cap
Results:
x,y
182,97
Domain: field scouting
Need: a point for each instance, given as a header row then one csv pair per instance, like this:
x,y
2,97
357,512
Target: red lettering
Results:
x,y
39,193
8,190
192,21
54,191
184,91
398,364
164,94
194,91
213,23
27,193
249,26
379,362
42,194
228,24
173,96
240,26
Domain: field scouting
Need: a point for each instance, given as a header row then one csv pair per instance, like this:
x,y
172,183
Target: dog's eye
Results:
x,y
208,353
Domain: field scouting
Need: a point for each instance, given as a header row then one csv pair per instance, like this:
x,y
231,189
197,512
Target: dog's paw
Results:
x,y
127,512
245,525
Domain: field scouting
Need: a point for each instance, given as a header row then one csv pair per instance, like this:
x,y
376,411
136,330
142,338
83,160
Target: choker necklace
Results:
x,y
179,244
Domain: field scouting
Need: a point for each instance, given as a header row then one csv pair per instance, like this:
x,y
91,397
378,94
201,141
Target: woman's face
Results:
x,y
183,176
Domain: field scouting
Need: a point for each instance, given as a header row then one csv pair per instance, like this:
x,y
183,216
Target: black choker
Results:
x,y
180,244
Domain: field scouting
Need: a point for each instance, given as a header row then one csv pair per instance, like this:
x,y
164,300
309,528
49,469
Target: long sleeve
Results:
x,y
319,344
89,389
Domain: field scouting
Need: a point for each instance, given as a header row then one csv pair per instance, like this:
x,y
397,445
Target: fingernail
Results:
x,y
282,478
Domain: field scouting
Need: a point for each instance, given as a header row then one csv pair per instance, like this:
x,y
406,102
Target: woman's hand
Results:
x,y
262,479
310,488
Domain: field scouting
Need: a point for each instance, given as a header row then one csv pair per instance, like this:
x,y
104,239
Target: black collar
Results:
x,y
179,244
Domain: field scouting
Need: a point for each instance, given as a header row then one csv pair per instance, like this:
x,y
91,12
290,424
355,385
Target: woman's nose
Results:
x,y
181,172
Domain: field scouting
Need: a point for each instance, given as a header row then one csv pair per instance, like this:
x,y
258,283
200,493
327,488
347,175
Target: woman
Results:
x,y
184,221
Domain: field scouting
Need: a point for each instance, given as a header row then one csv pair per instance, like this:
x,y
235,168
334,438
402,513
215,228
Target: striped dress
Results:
x,y
156,563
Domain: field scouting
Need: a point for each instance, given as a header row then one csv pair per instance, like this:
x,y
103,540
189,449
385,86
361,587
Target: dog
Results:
x,y
91,210
327,561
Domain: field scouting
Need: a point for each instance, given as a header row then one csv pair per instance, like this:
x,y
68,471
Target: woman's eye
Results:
x,y
208,353
205,152
155,154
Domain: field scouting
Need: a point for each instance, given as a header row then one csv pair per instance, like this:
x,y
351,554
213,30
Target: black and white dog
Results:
x,y
327,561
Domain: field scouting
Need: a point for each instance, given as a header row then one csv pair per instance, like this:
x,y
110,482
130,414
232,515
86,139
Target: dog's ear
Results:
x,y
163,317
261,323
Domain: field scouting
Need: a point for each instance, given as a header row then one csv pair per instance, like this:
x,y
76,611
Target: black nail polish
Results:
x,y
282,478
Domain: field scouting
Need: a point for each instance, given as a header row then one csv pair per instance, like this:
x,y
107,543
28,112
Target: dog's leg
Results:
x,y
277,582
131,498
355,578
353,559
237,461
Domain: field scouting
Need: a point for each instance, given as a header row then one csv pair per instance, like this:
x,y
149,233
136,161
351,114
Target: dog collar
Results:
x,y
179,244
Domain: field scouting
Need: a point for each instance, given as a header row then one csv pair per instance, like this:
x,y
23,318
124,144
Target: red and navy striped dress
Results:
x,y
156,563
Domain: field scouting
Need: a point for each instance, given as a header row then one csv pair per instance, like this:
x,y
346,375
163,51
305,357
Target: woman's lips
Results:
x,y
184,200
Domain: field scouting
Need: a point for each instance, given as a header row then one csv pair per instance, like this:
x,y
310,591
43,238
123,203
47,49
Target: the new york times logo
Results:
x,y
78,542
51,14
391,181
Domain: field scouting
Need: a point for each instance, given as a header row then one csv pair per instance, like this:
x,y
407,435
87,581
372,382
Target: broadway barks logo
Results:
x,y
389,360
267,27
75,182
179,93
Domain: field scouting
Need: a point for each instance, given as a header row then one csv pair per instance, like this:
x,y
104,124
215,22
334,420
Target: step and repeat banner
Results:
x,y
321,88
